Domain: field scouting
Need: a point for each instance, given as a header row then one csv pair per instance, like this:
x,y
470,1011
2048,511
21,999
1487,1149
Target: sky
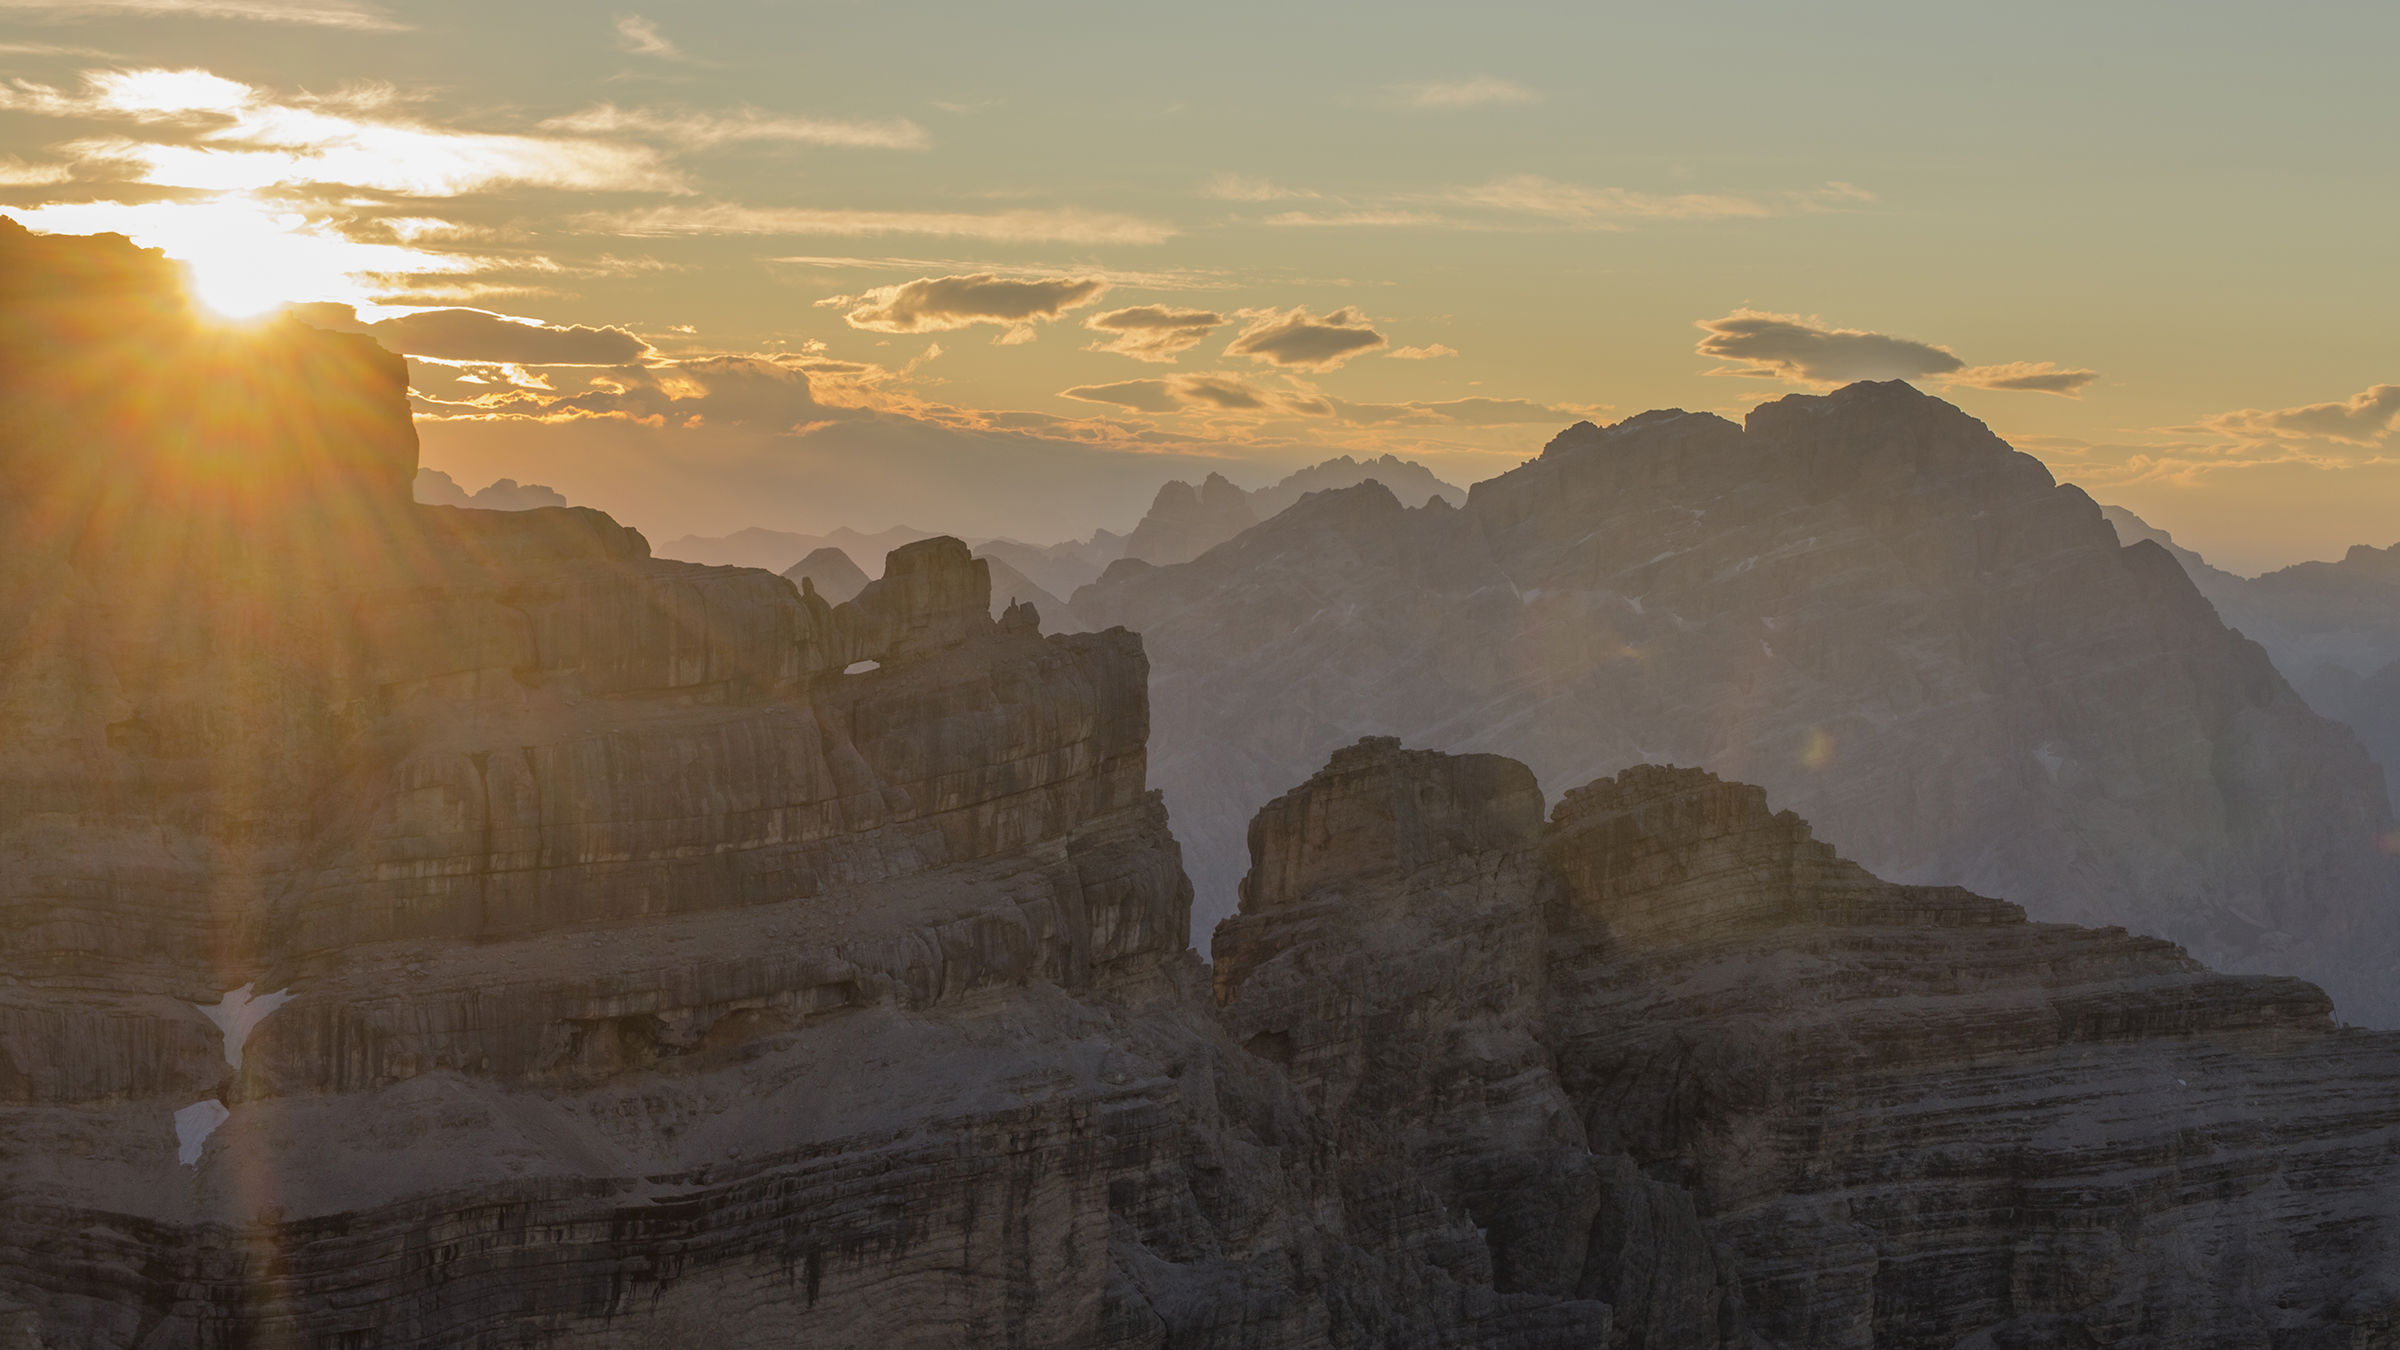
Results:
x,y
1005,269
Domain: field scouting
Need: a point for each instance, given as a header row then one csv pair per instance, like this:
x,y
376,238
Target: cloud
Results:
x,y
320,14
1060,226
1177,393
1481,91
247,140
1295,339
1474,412
1152,332
2366,418
1520,201
15,172
1347,218
704,130
2039,377
1434,352
1234,187
480,335
1789,347
247,256
755,392
640,37
1531,194
940,304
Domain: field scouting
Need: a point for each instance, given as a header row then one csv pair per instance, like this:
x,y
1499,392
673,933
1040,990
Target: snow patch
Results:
x,y
861,667
2051,757
239,1013
193,1125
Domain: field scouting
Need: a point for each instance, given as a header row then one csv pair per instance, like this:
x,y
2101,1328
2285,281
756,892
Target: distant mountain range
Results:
x,y
2333,629
1903,628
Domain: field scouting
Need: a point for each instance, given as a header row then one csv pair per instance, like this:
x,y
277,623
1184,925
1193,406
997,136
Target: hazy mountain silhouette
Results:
x,y
1865,601
2333,629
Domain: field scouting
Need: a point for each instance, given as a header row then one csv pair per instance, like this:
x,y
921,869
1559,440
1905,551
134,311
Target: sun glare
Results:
x,y
247,257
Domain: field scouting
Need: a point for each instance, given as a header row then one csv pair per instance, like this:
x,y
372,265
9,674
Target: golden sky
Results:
x,y
1003,269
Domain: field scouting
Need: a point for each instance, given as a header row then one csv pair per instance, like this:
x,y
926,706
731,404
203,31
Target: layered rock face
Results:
x,y
1865,602
426,927
1677,1057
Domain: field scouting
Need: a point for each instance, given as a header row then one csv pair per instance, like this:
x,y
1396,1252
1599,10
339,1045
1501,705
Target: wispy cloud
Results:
x,y
2037,377
1532,195
1370,218
1477,412
1234,187
941,304
15,172
313,13
1530,201
1295,339
1430,353
1155,333
245,139
479,335
1810,351
1764,345
640,37
1179,393
2367,418
698,129
1068,225
1480,91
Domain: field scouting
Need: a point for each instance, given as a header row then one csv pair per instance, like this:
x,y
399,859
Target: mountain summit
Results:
x,y
1864,601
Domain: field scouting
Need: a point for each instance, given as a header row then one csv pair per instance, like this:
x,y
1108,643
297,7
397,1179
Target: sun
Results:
x,y
248,257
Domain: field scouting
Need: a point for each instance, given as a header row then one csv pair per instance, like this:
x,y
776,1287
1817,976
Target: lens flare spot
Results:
x,y
1816,748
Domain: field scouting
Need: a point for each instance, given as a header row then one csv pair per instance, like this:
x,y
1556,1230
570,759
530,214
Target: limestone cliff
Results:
x,y
1674,1055
425,927
1865,602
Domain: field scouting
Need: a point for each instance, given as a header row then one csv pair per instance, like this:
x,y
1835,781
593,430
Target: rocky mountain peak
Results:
x,y
130,420
932,593
1377,810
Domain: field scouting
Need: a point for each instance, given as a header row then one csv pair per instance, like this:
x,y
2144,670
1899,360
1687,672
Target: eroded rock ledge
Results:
x,y
1674,1055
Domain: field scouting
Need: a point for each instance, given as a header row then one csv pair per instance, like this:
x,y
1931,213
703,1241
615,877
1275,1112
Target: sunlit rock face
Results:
x,y
1675,1056
1865,602
425,927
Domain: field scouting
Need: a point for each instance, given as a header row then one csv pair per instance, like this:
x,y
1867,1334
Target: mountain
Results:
x,y
1411,482
777,550
1187,520
484,932
1010,586
2332,629
1184,521
830,573
1865,602
1057,568
435,488
1671,1054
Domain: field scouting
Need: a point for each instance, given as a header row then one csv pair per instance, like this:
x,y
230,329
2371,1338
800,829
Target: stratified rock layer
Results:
x,y
1676,1056
434,927
1865,602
